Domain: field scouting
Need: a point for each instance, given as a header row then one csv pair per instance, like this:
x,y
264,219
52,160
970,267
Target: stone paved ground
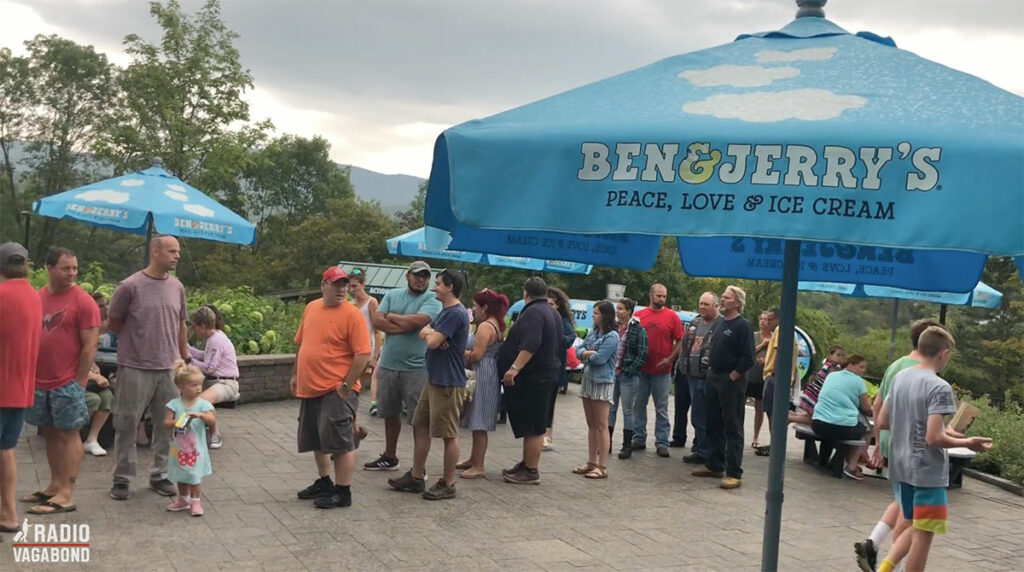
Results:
x,y
650,513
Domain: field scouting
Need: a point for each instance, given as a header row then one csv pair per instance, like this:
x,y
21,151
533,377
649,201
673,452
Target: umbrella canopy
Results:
x,y
983,295
128,204
810,135
414,244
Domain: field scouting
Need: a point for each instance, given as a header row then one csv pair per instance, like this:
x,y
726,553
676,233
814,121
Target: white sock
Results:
x,y
187,498
881,531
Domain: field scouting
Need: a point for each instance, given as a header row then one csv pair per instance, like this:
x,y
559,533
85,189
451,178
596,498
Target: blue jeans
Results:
x,y
656,386
625,387
699,413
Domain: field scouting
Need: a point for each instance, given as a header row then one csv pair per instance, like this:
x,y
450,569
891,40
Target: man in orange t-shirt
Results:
x,y
333,348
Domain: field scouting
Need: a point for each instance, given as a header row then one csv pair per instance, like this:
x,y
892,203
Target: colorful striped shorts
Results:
x,y
925,507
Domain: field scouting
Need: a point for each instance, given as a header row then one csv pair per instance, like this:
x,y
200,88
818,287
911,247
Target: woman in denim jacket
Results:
x,y
598,356
629,358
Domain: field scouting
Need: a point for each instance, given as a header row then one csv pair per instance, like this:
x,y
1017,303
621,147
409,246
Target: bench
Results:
x,y
830,455
959,458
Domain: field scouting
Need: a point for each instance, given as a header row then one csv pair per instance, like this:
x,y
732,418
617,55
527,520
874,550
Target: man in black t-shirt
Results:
x,y
731,355
528,362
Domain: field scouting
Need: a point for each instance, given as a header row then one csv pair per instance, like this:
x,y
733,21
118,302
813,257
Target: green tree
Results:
x,y
293,178
182,101
412,217
71,93
16,97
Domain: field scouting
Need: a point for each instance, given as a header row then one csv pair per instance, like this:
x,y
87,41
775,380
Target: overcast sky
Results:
x,y
381,79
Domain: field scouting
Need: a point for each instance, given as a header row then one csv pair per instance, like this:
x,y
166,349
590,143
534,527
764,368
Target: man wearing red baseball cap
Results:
x,y
332,350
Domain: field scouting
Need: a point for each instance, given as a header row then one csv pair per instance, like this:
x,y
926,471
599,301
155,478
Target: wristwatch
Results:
x,y
345,385
514,367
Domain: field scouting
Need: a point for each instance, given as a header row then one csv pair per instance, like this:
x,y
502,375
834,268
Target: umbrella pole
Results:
x,y
28,220
780,409
892,328
942,309
149,237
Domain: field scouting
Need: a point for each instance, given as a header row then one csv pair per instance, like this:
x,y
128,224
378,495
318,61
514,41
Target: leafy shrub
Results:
x,y
1006,428
255,324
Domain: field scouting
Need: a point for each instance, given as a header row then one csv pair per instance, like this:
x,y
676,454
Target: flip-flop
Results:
x,y
763,451
57,508
755,445
468,475
36,497
9,529
463,465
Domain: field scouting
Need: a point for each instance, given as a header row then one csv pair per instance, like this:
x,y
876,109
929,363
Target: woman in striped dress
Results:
x,y
481,413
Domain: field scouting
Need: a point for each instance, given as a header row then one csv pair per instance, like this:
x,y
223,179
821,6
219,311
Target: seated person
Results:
x,y
217,361
809,396
98,398
841,402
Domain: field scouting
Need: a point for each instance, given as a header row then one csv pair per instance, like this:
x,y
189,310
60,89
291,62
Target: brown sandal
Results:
x,y
584,469
598,472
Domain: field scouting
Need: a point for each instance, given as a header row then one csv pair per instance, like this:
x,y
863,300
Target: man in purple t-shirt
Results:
x,y
437,414
148,313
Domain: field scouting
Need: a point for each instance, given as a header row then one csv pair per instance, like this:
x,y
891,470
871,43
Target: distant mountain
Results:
x,y
394,192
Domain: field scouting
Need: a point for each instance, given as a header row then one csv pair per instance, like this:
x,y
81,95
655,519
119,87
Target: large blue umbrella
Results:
x,y
414,244
835,143
133,202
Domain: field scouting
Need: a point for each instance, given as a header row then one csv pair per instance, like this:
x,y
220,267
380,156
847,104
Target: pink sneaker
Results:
x,y
179,504
197,509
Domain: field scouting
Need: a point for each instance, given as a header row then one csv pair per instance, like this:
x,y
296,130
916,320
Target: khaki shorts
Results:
x,y
438,409
225,389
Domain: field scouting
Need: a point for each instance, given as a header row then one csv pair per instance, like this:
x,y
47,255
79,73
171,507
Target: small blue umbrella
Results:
x,y
415,244
130,203
983,296
808,135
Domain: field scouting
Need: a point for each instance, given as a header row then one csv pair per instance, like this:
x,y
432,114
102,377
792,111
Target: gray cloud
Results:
x,y
388,63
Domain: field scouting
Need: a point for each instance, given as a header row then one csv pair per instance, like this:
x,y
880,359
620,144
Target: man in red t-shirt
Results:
x,y
664,330
19,346
67,346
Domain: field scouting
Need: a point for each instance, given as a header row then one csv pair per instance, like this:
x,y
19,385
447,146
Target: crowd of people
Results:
x,y
413,349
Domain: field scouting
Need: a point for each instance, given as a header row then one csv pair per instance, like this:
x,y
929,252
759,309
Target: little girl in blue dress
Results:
x,y
189,459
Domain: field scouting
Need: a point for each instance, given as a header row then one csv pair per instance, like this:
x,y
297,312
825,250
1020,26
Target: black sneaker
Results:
x,y
513,469
867,555
677,443
694,459
522,475
163,487
407,483
320,487
383,463
373,409
663,452
336,498
440,491
120,491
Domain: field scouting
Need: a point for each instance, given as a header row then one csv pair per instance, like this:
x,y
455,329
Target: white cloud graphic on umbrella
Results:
x,y
805,54
104,196
132,183
807,104
198,210
737,76
177,196
770,106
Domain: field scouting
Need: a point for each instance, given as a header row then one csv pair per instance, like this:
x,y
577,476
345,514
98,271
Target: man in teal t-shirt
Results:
x,y
402,369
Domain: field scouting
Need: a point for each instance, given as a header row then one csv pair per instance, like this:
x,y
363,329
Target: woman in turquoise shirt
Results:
x,y
842,399
598,356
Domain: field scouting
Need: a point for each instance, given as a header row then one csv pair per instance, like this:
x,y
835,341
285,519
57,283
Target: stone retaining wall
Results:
x,y
265,377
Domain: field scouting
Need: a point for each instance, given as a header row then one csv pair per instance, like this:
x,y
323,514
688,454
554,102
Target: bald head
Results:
x,y
658,296
707,307
164,252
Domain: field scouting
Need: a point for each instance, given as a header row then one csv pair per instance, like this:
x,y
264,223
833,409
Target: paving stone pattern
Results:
x,y
649,514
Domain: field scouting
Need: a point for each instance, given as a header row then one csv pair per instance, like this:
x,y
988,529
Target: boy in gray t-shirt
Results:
x,y
918,461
